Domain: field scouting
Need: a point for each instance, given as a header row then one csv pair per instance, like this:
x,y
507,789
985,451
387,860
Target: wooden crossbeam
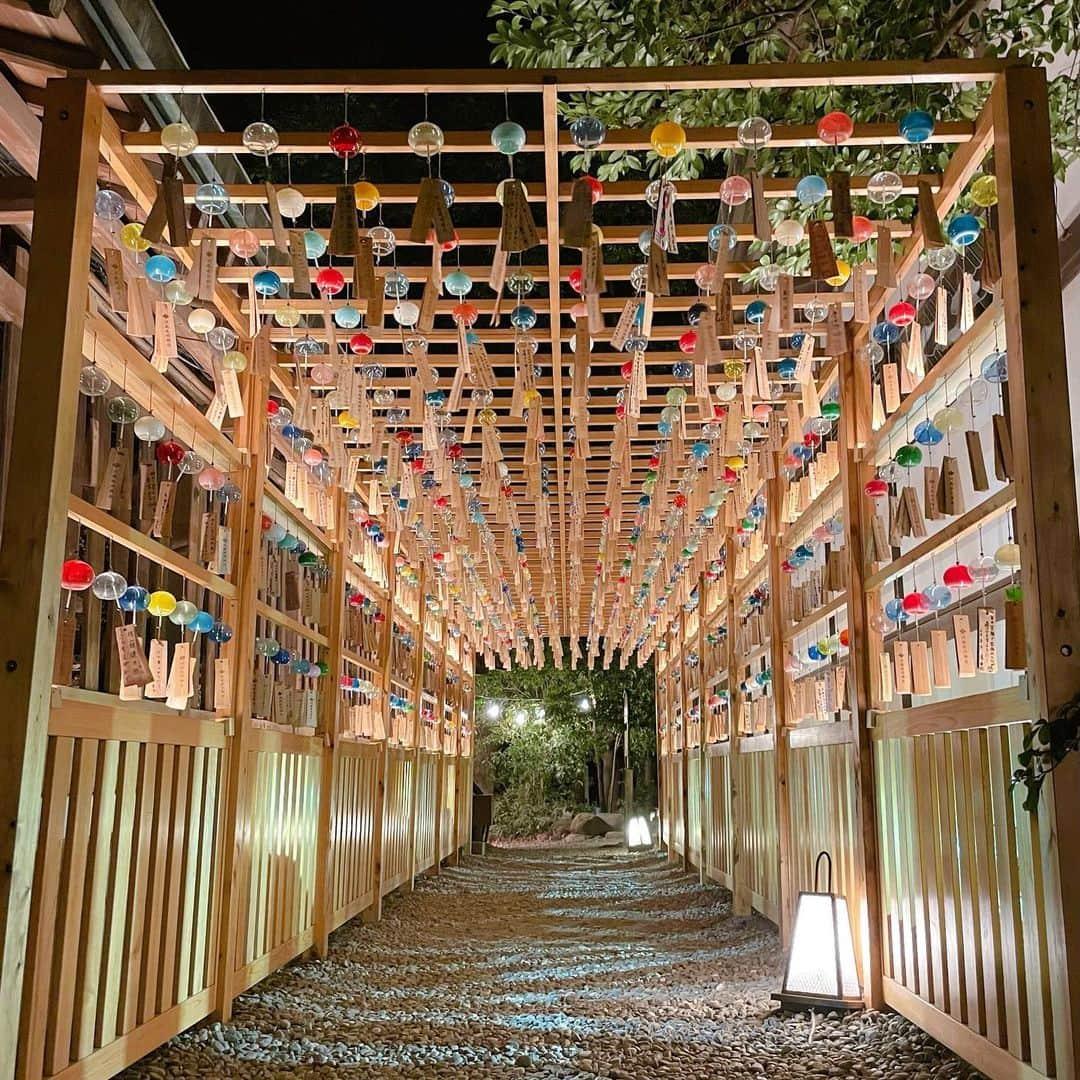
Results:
x,y
535,80
479,142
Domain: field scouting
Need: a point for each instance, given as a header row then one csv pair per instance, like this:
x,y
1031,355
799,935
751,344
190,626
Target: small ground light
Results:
x,y
584,704
637,834
821,970
493,710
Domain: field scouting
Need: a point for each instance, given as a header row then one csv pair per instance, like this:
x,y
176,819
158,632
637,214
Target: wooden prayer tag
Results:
x,y
990,273
785,299
965,646
134,668
860,285
762,224
902,667
578,215
657,281
836,338
884,270
1003,458
64,657
987,643
979,480
429,303
116,280
344,234
222,684
885,677
920,668
299,262
950,493
928,217
376,302
277,225
625,324
939,652
364,270
890,384
140,315
158,687
822,257
941,316
1015,639
931,479
115,466
725,322
161,526
840,181
518,231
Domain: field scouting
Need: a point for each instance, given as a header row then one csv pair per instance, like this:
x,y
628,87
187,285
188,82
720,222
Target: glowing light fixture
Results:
x,y
585,703
637,834
493,710
821,970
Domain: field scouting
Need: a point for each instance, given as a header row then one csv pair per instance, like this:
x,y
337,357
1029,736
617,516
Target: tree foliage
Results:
x,y
540,746
650,33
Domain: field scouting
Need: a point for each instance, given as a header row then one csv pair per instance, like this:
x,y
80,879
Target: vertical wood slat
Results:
x,y
961,866
39,467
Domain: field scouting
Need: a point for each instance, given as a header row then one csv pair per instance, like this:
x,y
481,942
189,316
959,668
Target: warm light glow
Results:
x,y
584,704
637,833
493,711
822,961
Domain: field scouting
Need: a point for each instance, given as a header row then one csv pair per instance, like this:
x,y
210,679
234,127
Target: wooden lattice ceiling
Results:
x,y
557,577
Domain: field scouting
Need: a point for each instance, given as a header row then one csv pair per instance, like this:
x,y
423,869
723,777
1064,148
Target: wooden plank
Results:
x,y
42,450
551,183
990,709
979,1052
948,132
487,80
12,349
1046,510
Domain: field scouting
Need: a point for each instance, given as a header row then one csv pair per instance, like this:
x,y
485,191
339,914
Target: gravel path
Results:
x,y
569,964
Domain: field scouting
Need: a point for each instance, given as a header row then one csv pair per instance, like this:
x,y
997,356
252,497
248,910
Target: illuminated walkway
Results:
x,y
546,964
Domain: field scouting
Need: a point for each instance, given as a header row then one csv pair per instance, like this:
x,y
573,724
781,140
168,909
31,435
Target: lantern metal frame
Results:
x,y
796,1001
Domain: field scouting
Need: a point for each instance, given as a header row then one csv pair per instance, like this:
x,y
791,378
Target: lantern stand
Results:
x,y
821,971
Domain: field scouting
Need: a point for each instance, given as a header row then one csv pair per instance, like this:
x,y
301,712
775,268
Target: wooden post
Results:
x,y
865,645
1046,512
780,704
704,817
418,684
251,435
12,352
39,479
740,894
684,769
330,723
443,758
373,912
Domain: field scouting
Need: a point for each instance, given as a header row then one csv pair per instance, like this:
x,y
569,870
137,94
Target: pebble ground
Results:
x,y
558,964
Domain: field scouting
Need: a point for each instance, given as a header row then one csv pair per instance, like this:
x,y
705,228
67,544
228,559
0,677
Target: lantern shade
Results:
x,y
821,967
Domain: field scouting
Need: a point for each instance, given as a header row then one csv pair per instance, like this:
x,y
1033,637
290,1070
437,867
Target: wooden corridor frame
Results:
x,y
77,129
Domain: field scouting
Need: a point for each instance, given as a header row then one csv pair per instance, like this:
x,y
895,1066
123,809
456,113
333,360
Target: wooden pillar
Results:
x,y
864,647
704,817
778,623
444,760
330,725
740,903
373,912
1046,512
39,479
684,767
418,683
251,435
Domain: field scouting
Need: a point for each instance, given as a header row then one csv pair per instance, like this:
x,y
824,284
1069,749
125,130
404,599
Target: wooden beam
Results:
x,y
52,9
865,644
565,80
551,208
1046,512
42,450
20,129
16,200
945,133
50,56
12,354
